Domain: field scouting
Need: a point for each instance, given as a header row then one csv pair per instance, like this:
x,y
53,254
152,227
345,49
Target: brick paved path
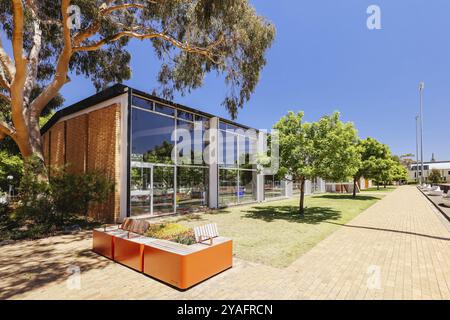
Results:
x,y
397,249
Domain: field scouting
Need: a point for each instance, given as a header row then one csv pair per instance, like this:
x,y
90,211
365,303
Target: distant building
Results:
x,y
442,166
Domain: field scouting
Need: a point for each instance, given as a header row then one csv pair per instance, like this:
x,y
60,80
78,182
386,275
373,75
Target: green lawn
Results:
x,y
382,189
274,233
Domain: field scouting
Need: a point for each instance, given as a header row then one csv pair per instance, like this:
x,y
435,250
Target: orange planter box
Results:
x,y
186,266
103,243
178,265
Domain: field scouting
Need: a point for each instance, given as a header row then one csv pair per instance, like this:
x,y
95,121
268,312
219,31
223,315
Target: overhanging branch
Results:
x,y
205,51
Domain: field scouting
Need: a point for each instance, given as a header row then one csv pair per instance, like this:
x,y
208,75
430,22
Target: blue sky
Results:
x,y
324,59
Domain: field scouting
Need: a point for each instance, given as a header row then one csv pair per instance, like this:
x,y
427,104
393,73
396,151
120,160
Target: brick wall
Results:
x,y
89,142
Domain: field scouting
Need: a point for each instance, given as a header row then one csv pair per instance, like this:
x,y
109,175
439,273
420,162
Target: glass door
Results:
x,y
163,190
152,189
141,192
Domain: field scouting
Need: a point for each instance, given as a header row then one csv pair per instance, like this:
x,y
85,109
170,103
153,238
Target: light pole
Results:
x,y
417,150
421,87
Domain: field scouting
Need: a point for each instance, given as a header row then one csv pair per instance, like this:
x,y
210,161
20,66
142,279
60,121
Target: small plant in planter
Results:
x,y
172,232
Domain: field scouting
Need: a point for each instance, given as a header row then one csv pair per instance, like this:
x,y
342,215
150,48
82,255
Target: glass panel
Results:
x,y
142,103
272,187
164,109
192,188
163,190
228,187
151,137
228,148
247,186
140,191
185,115
203,119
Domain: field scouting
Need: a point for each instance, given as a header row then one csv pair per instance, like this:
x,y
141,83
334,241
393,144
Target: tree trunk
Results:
x,y
378,185
354,187
30,145
302,197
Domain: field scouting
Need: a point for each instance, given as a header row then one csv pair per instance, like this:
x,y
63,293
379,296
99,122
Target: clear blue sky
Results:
x,y
324,59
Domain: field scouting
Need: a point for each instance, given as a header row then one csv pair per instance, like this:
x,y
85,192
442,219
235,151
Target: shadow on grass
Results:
x,y
313,215
346,197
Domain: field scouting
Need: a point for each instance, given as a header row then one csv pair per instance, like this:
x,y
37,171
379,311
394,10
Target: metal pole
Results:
x,y
421,87
417,149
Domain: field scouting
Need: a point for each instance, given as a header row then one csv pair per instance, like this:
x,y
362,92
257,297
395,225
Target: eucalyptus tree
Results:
x,y
51,39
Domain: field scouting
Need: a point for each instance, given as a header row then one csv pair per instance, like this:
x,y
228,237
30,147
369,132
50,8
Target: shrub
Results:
x,y
172,232
62,197
10,165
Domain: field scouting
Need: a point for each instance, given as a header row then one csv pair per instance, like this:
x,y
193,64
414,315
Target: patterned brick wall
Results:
x,y
76,143
57,145
90,142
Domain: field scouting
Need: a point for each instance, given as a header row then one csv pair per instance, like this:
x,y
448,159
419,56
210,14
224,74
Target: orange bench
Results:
x,y
179,265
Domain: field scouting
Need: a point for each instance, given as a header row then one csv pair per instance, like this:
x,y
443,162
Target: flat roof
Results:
x,y
117,90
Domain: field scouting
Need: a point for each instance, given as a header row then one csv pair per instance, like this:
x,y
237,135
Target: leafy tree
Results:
x,y
335,148
399,173
375,158
296,150
325,148
371,167
190,38
435,176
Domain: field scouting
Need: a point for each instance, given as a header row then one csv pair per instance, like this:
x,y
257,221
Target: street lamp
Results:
x,y
417,149
421,87
10,179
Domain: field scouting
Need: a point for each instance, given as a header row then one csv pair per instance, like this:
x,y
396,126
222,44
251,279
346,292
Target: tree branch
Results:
x,y
5,97
104,11
33,56
6,129
205,51
6,63
17,85
62,68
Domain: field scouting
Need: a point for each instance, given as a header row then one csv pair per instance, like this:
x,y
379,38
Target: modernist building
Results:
x,y
133,138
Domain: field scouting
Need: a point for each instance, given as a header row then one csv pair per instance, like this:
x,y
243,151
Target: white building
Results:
x,y
414,171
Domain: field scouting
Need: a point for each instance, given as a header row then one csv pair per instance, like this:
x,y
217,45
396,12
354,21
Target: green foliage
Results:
x,y
172,232
65,195
335,148
240,56
435,176
73,193
295,146
10,165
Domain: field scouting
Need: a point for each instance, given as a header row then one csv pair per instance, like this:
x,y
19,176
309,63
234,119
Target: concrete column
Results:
x,y
288,186
261,147
213,160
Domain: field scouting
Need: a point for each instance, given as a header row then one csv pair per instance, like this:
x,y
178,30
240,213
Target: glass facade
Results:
x,y
164,180
168,173
273,187
237,174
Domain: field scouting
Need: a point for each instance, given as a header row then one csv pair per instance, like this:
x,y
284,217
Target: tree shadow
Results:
x,y
346,197
312,215
29,265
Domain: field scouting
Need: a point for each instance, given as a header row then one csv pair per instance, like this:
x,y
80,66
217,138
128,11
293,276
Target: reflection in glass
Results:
x,y
247,186
228,187
151,136
163,190
272,187
228,149
142,103
164,109
140,191
192,188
